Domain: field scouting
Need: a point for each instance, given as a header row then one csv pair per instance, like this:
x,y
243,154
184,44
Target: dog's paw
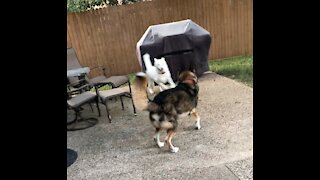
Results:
x,y
160,144
174,150
151,92
197,126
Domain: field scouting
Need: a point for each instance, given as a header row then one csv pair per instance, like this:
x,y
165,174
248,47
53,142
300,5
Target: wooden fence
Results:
x,y
108,36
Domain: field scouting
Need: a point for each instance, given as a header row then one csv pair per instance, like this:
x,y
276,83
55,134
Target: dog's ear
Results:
x,y
195,78
181,76
189,78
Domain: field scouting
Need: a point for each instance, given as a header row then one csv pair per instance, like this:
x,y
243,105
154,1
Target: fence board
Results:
x,y
108,36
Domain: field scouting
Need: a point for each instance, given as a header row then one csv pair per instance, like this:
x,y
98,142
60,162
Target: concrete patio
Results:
x,y
124,149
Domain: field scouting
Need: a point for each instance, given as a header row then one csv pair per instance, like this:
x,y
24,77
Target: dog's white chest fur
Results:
x,y
152,73
162,78
159,73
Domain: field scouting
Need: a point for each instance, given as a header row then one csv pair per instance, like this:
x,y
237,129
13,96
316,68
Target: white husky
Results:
x,y
158,73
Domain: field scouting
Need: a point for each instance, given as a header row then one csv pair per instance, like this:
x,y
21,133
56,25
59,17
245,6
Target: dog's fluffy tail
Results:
x,y
146,60
141,81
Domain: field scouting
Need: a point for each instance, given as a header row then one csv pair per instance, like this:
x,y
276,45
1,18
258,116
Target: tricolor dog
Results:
x,y
171,104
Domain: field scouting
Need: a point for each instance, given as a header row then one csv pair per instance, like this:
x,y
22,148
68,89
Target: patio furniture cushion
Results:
x,y
112,93
116,81
120,92
81,99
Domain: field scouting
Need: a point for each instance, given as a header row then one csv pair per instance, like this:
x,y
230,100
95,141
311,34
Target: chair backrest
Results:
x,y
72,63
72,59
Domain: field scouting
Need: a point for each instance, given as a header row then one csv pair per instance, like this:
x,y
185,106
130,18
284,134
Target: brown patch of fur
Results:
x,y
166,125
195,114
168,138
153,107
186,76
141,83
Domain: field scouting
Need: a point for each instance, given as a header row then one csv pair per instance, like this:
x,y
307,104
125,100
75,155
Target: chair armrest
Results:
x,y
78,82
79,89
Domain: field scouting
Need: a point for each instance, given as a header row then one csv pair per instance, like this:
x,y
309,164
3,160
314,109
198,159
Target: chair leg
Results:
x,y
134,108
80,123
77,114
121,102
76,119
129,84
108,114
97,103
91,107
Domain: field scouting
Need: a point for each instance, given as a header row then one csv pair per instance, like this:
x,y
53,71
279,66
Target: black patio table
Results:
x,y
72,156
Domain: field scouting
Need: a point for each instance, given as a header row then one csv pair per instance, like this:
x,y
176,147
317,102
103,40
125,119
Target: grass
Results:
x,y
239,68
